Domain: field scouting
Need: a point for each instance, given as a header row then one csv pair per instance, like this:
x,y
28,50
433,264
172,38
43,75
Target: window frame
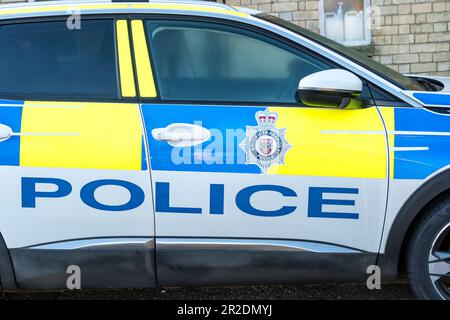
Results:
x,y
239,25
367,30
265,32
113,18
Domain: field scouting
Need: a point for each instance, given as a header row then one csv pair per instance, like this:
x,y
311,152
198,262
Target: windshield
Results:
x,y
387,73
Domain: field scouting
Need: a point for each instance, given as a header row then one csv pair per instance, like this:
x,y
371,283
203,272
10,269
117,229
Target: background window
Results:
x,y
210,62
46,59
346,21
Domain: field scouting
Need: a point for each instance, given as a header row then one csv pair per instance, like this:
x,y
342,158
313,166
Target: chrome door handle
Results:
x,y
182,134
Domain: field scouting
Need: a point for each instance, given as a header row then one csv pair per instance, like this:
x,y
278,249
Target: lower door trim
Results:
x,y
124,262
236,261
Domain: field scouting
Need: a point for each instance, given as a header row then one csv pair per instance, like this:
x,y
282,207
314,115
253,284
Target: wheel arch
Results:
x,y
7,276
411,211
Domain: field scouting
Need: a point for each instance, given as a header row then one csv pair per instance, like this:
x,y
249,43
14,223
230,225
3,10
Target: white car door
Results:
x,y
248,184
75,183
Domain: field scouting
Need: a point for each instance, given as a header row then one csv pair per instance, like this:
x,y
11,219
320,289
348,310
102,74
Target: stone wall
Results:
x,y
410,36
414,36
305,13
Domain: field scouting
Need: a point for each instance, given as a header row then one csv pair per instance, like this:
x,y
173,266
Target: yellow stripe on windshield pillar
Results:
x,y
127,86
146,81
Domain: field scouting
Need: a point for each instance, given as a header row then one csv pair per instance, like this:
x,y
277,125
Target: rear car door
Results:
x,y
248,184
74,176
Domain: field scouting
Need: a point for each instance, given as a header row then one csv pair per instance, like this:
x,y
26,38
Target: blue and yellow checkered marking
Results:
x,y
79,135
312,154
221,119
318,151
433,99
95,136
11,116
420,128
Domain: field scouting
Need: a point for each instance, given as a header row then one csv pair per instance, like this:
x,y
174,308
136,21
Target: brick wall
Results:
x,y
414,36
410,36
305,13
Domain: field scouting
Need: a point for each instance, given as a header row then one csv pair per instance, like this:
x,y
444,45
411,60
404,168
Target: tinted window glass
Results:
x,y
46,59
395,77
211,62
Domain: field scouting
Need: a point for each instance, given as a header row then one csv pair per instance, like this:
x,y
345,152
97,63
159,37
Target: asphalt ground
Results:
x,y
396,291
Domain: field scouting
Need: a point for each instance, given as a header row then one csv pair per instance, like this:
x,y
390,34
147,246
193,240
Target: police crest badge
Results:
x,y
264,144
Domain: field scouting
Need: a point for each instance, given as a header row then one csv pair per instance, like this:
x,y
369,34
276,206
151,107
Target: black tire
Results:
x,y
430,237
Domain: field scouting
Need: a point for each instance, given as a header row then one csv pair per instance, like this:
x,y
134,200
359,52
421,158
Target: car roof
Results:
x,y
55,8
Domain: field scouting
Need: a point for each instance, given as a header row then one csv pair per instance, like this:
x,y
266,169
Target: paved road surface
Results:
x,y
395,291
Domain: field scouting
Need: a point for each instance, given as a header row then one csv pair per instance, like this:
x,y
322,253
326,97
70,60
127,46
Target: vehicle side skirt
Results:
x,y
7,278
234,266
113,266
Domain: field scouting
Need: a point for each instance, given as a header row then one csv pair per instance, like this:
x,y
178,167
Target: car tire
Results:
x,y
428,253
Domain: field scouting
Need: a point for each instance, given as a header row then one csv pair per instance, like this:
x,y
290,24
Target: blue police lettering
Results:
x,y
162,201
216,196
29,193
316,201
316,198
64,188
243,203
137,195
243,200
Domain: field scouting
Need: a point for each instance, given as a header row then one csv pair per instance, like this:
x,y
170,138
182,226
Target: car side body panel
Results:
x,y
397,158
420,160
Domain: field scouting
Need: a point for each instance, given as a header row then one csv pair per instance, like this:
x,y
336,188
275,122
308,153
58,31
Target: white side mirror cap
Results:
x,y
337,80
329,88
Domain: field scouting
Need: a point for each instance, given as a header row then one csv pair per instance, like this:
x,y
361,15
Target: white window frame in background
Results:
x,y
367,26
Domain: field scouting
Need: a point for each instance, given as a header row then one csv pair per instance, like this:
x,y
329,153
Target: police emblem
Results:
x,y
265,145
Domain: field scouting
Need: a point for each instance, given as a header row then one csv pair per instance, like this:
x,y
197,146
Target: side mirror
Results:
x,y
329,88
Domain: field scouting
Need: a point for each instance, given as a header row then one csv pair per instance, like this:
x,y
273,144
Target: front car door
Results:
x,y
248,184
75,180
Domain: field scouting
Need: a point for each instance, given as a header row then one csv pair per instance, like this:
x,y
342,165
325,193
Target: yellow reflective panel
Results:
x,y
146,81
81,135
389,121
127,85
333,143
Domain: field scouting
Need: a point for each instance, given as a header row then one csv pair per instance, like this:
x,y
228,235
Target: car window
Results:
x,y
201,61
393,76
48,60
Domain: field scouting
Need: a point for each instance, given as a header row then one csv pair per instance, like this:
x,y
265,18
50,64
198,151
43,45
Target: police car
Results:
x,y
192,143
